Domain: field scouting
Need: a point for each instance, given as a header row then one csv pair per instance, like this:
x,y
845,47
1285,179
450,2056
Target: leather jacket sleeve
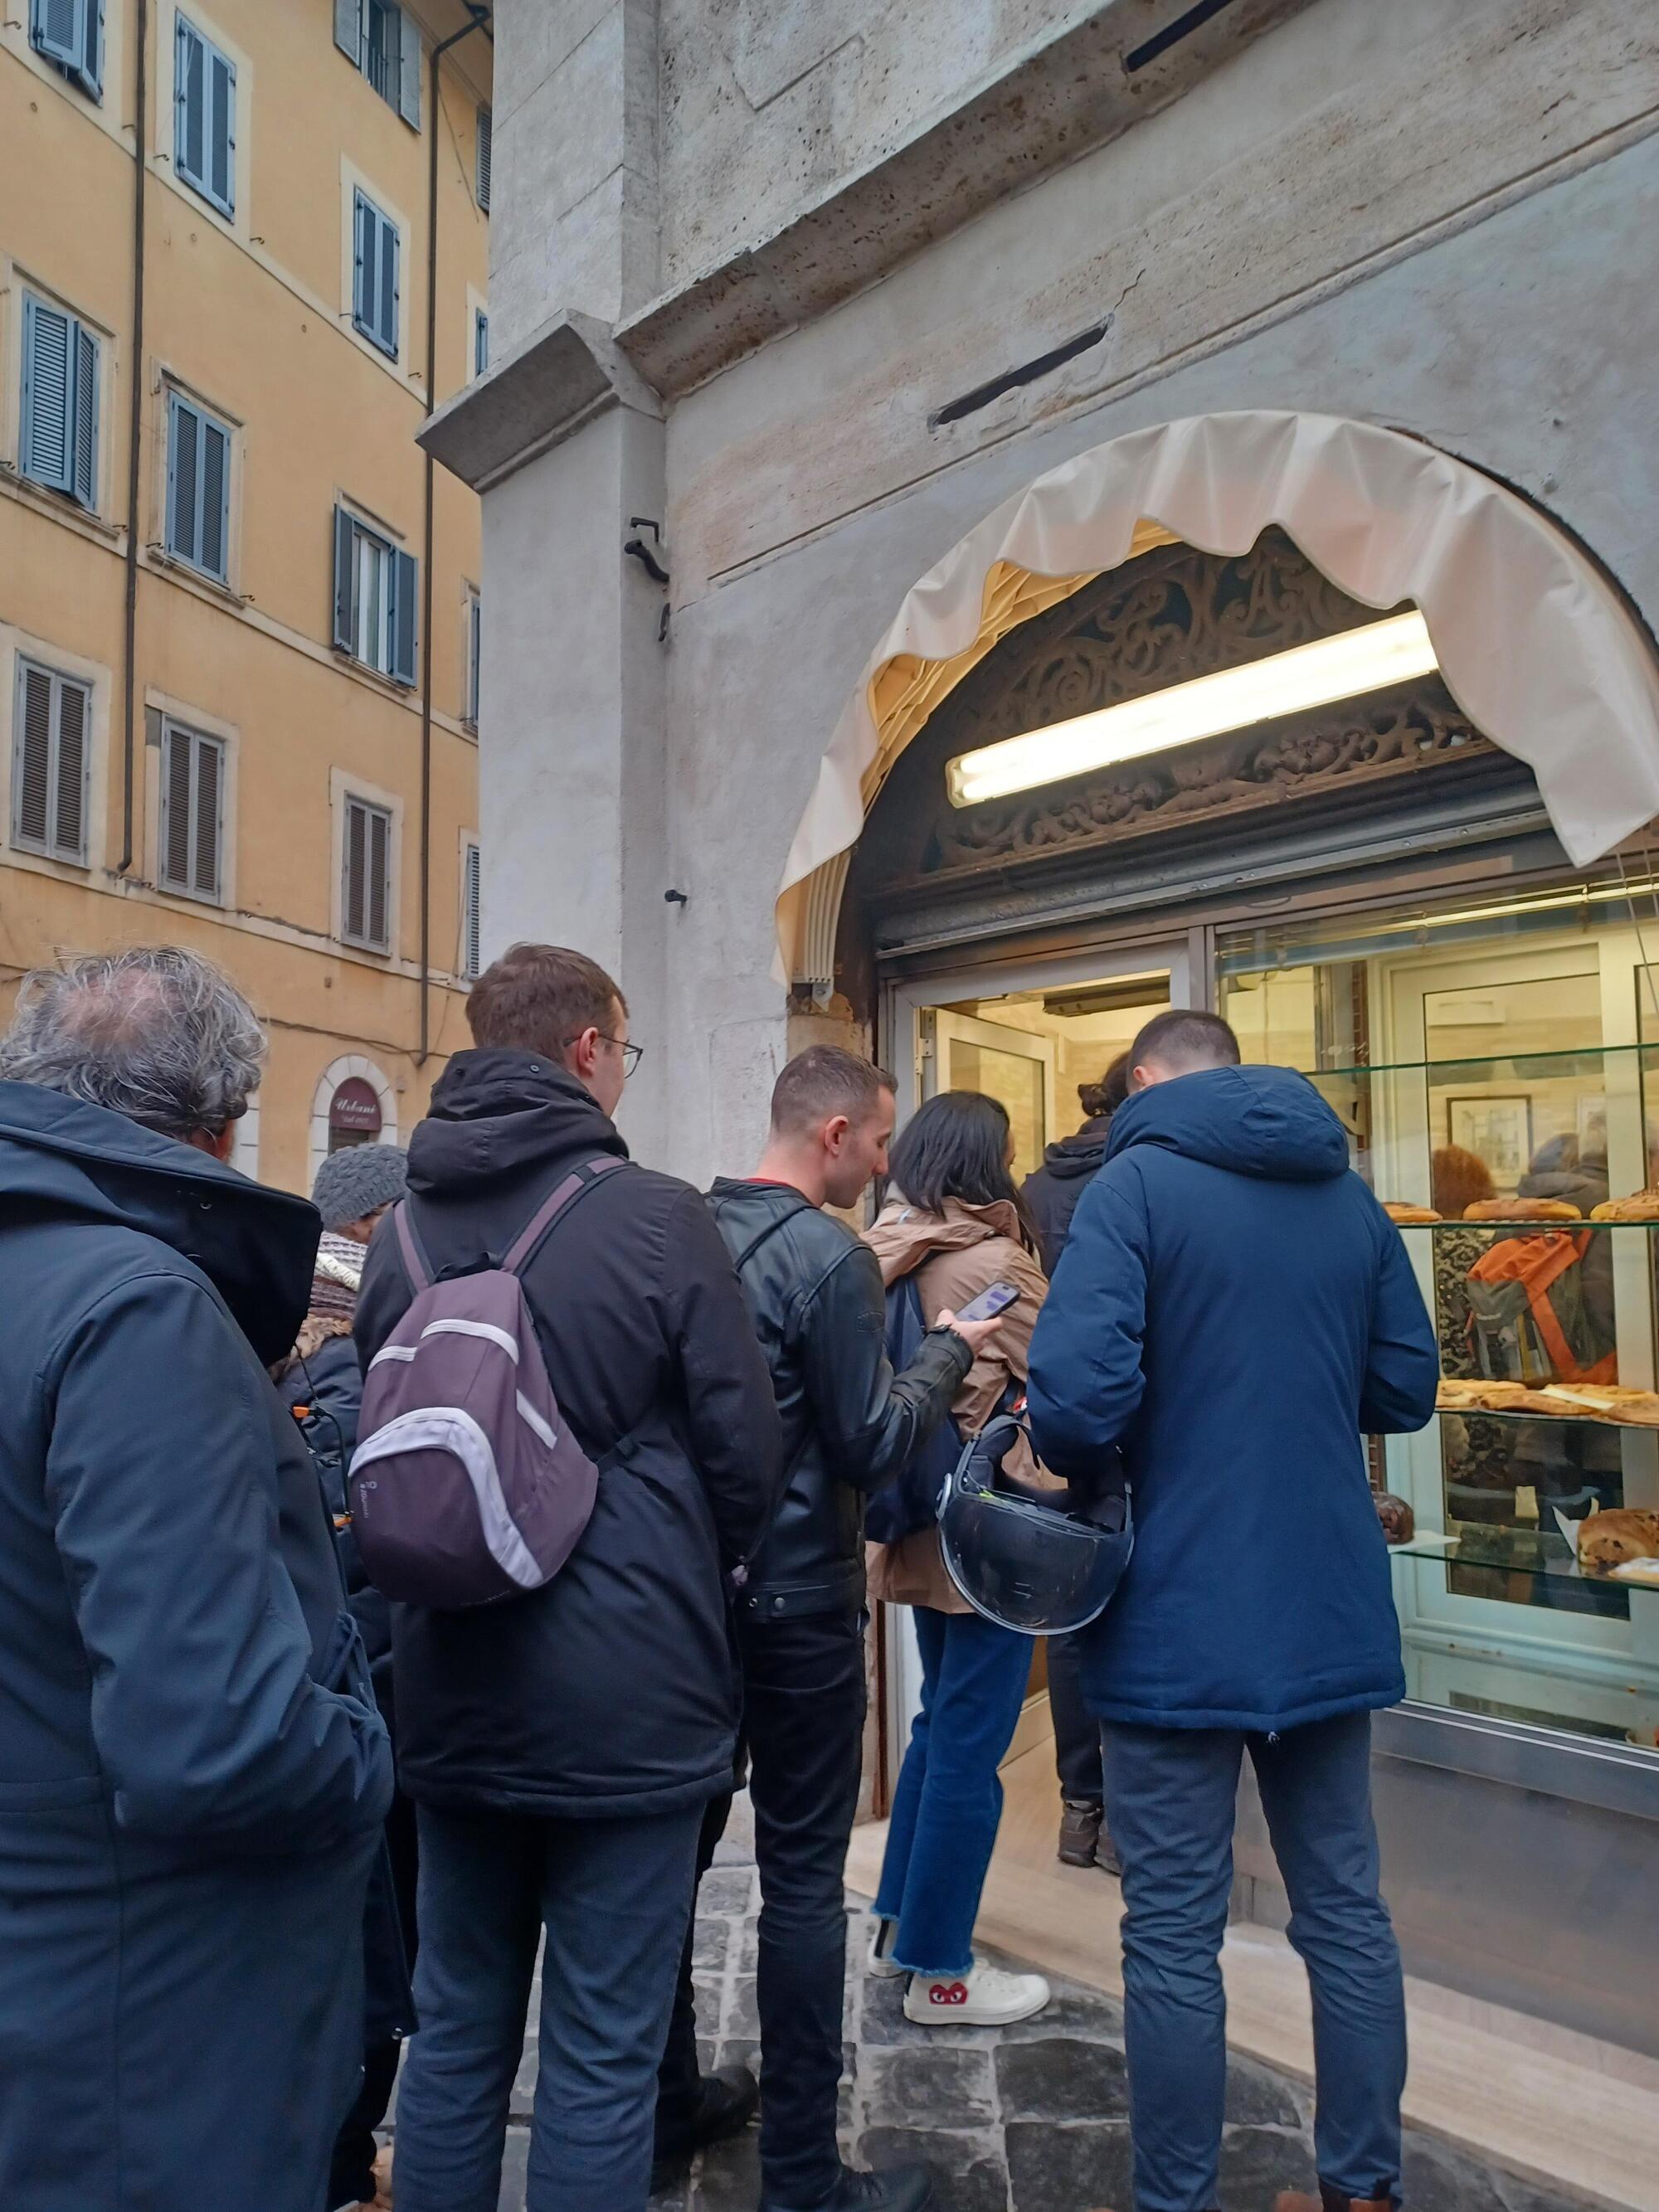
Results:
x,y
870,1422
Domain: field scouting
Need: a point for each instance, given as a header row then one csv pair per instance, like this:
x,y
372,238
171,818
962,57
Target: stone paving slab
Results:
x,y
1030,2118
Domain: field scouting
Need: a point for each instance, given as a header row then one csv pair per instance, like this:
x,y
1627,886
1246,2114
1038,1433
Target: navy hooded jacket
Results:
x,y
1236,1309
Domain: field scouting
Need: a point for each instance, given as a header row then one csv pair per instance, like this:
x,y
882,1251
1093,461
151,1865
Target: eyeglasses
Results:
x,y
632,1054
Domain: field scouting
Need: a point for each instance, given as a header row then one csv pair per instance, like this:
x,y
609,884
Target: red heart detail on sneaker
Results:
x,y
948,1993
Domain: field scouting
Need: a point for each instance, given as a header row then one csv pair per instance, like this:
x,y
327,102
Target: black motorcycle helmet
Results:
x,y
1040,1569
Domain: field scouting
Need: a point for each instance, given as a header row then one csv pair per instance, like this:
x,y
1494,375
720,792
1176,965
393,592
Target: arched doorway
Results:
x,y
353,1104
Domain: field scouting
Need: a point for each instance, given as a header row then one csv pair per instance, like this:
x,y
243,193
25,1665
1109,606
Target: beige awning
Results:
x,y
1533,642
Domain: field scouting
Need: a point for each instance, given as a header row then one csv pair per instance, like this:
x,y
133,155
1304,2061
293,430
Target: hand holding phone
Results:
x,y
980,1320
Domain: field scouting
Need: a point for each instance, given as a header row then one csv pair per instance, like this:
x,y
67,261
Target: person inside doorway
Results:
x,y
1052,1194
956,1220
1235,1312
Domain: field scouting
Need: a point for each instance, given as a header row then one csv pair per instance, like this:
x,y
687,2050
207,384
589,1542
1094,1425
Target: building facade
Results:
x,y
242,249
872,387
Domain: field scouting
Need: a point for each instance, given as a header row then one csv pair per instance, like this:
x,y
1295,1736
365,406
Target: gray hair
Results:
x,y
155,1033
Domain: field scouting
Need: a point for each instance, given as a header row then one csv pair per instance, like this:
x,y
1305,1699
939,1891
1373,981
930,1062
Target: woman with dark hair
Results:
x,y
1068,1167
955,1219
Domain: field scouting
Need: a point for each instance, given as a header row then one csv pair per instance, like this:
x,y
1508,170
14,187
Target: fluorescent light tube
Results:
x,y
1368,659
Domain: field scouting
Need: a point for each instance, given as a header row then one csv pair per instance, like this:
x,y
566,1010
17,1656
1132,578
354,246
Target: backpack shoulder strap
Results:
x,y
554,1208
417,1266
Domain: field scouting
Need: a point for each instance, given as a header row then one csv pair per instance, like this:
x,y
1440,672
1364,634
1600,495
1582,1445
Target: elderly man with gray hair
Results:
x,y
192,1776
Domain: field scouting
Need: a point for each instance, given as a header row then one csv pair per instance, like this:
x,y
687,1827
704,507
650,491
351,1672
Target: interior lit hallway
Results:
x,y
1573,2114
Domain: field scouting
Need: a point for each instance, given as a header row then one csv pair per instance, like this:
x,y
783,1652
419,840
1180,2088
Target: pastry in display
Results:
x,y
1455,1396
1640,1205
1522,1209
1398,1212
1639,1407
1398,1522
1618,1534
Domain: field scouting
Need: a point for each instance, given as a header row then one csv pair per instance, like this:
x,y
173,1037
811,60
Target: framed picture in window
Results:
x,y
1495,1129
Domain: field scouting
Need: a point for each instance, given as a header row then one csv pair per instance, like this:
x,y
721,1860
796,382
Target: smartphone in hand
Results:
x,y
990,1303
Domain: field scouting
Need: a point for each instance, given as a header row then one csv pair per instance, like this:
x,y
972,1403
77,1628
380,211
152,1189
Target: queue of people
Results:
x,y
207,1871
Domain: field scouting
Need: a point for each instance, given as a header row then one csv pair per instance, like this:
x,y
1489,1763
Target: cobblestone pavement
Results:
x,y
1031,2119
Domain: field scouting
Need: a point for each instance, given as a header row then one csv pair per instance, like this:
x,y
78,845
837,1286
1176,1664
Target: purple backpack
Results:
x,y
466,1486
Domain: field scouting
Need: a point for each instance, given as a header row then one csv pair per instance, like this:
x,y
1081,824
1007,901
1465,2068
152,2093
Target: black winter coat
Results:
x,y
1053,1190
849,1424
187,1812
613,1691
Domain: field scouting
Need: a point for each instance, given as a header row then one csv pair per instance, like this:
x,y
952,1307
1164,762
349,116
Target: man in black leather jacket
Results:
x,y
849,1424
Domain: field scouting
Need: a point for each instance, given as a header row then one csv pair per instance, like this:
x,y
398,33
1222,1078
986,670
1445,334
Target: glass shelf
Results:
x,y
1504,1553
1587,1060
1584,1419
1525,1228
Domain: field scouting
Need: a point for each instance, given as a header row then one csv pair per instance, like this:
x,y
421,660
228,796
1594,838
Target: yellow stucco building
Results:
x,y
238,614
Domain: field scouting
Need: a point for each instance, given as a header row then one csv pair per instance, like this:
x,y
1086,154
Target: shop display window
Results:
x,y
1496,1065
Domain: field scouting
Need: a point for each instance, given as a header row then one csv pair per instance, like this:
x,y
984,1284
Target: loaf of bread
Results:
x,y
1522,1209
1397,1212
1607,1539
1640,1205
1455,1396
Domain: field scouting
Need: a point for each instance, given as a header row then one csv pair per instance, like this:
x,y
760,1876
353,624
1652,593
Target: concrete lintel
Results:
x,y
561,377
1055,101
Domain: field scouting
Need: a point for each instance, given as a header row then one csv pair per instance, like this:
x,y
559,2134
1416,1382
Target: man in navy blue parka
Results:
x,y
1236,1309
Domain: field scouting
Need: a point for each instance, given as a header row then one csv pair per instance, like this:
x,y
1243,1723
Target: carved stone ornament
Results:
x,y
1173,615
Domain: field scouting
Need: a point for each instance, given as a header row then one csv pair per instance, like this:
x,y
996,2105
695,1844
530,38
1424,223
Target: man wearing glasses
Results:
x,y
561,1748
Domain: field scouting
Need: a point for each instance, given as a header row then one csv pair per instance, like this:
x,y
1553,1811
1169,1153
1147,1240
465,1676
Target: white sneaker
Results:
x,y
881,1961
985,1996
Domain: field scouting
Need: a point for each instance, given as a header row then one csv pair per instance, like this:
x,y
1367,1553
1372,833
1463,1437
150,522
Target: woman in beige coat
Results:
x,y
956,1221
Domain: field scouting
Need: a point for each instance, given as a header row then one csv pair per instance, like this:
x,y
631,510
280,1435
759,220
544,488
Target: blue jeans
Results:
x,y
949,1799
1170,1797
614,1898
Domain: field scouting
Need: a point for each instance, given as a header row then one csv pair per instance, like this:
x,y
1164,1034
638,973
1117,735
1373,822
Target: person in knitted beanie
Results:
x,y
354,1188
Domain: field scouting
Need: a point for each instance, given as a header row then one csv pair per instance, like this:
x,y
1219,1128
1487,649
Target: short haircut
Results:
x,y
1185,1039
538,998
154,1033
824,1081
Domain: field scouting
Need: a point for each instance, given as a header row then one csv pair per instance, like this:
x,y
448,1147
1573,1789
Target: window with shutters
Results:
x,y
375,588
199,487
204,116
52,739
470,960
384,41
191,856
71,34
374,292
480,341
366,876
474,657
482,167
57,442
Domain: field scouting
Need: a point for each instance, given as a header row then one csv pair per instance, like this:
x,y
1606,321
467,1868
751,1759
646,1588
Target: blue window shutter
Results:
x,y
84,482
58,30
481,180
363,252
349,29
387,303
215,542
184,477
406,581
222,134
480,341
92,49
345,546
190,106
409,70
46,452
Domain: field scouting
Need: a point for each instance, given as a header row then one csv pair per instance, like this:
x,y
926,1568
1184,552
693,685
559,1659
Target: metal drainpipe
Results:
x,y
135,425
480,23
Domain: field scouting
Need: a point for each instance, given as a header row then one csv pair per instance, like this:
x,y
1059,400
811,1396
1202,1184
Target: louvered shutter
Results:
x,y
408,69
379,876
216,499
349,29
184,478
84,482
208,797
221,132
69,828
405,582
30,760
480,341
387,300
58,29
482,183
474,656
470,914
190,103
345,540
177,779
362,283
47,442
92,49
351,903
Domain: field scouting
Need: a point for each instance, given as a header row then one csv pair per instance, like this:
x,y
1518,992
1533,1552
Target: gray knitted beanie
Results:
x,y
353,1182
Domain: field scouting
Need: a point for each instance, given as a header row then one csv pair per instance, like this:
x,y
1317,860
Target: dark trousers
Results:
x,y
352,2177
613,1897
1170,1796
804,1703
1077,1731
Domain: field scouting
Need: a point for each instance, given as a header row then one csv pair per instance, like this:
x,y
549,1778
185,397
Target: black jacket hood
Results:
x,y
61,1158
495,1113
1082,1154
